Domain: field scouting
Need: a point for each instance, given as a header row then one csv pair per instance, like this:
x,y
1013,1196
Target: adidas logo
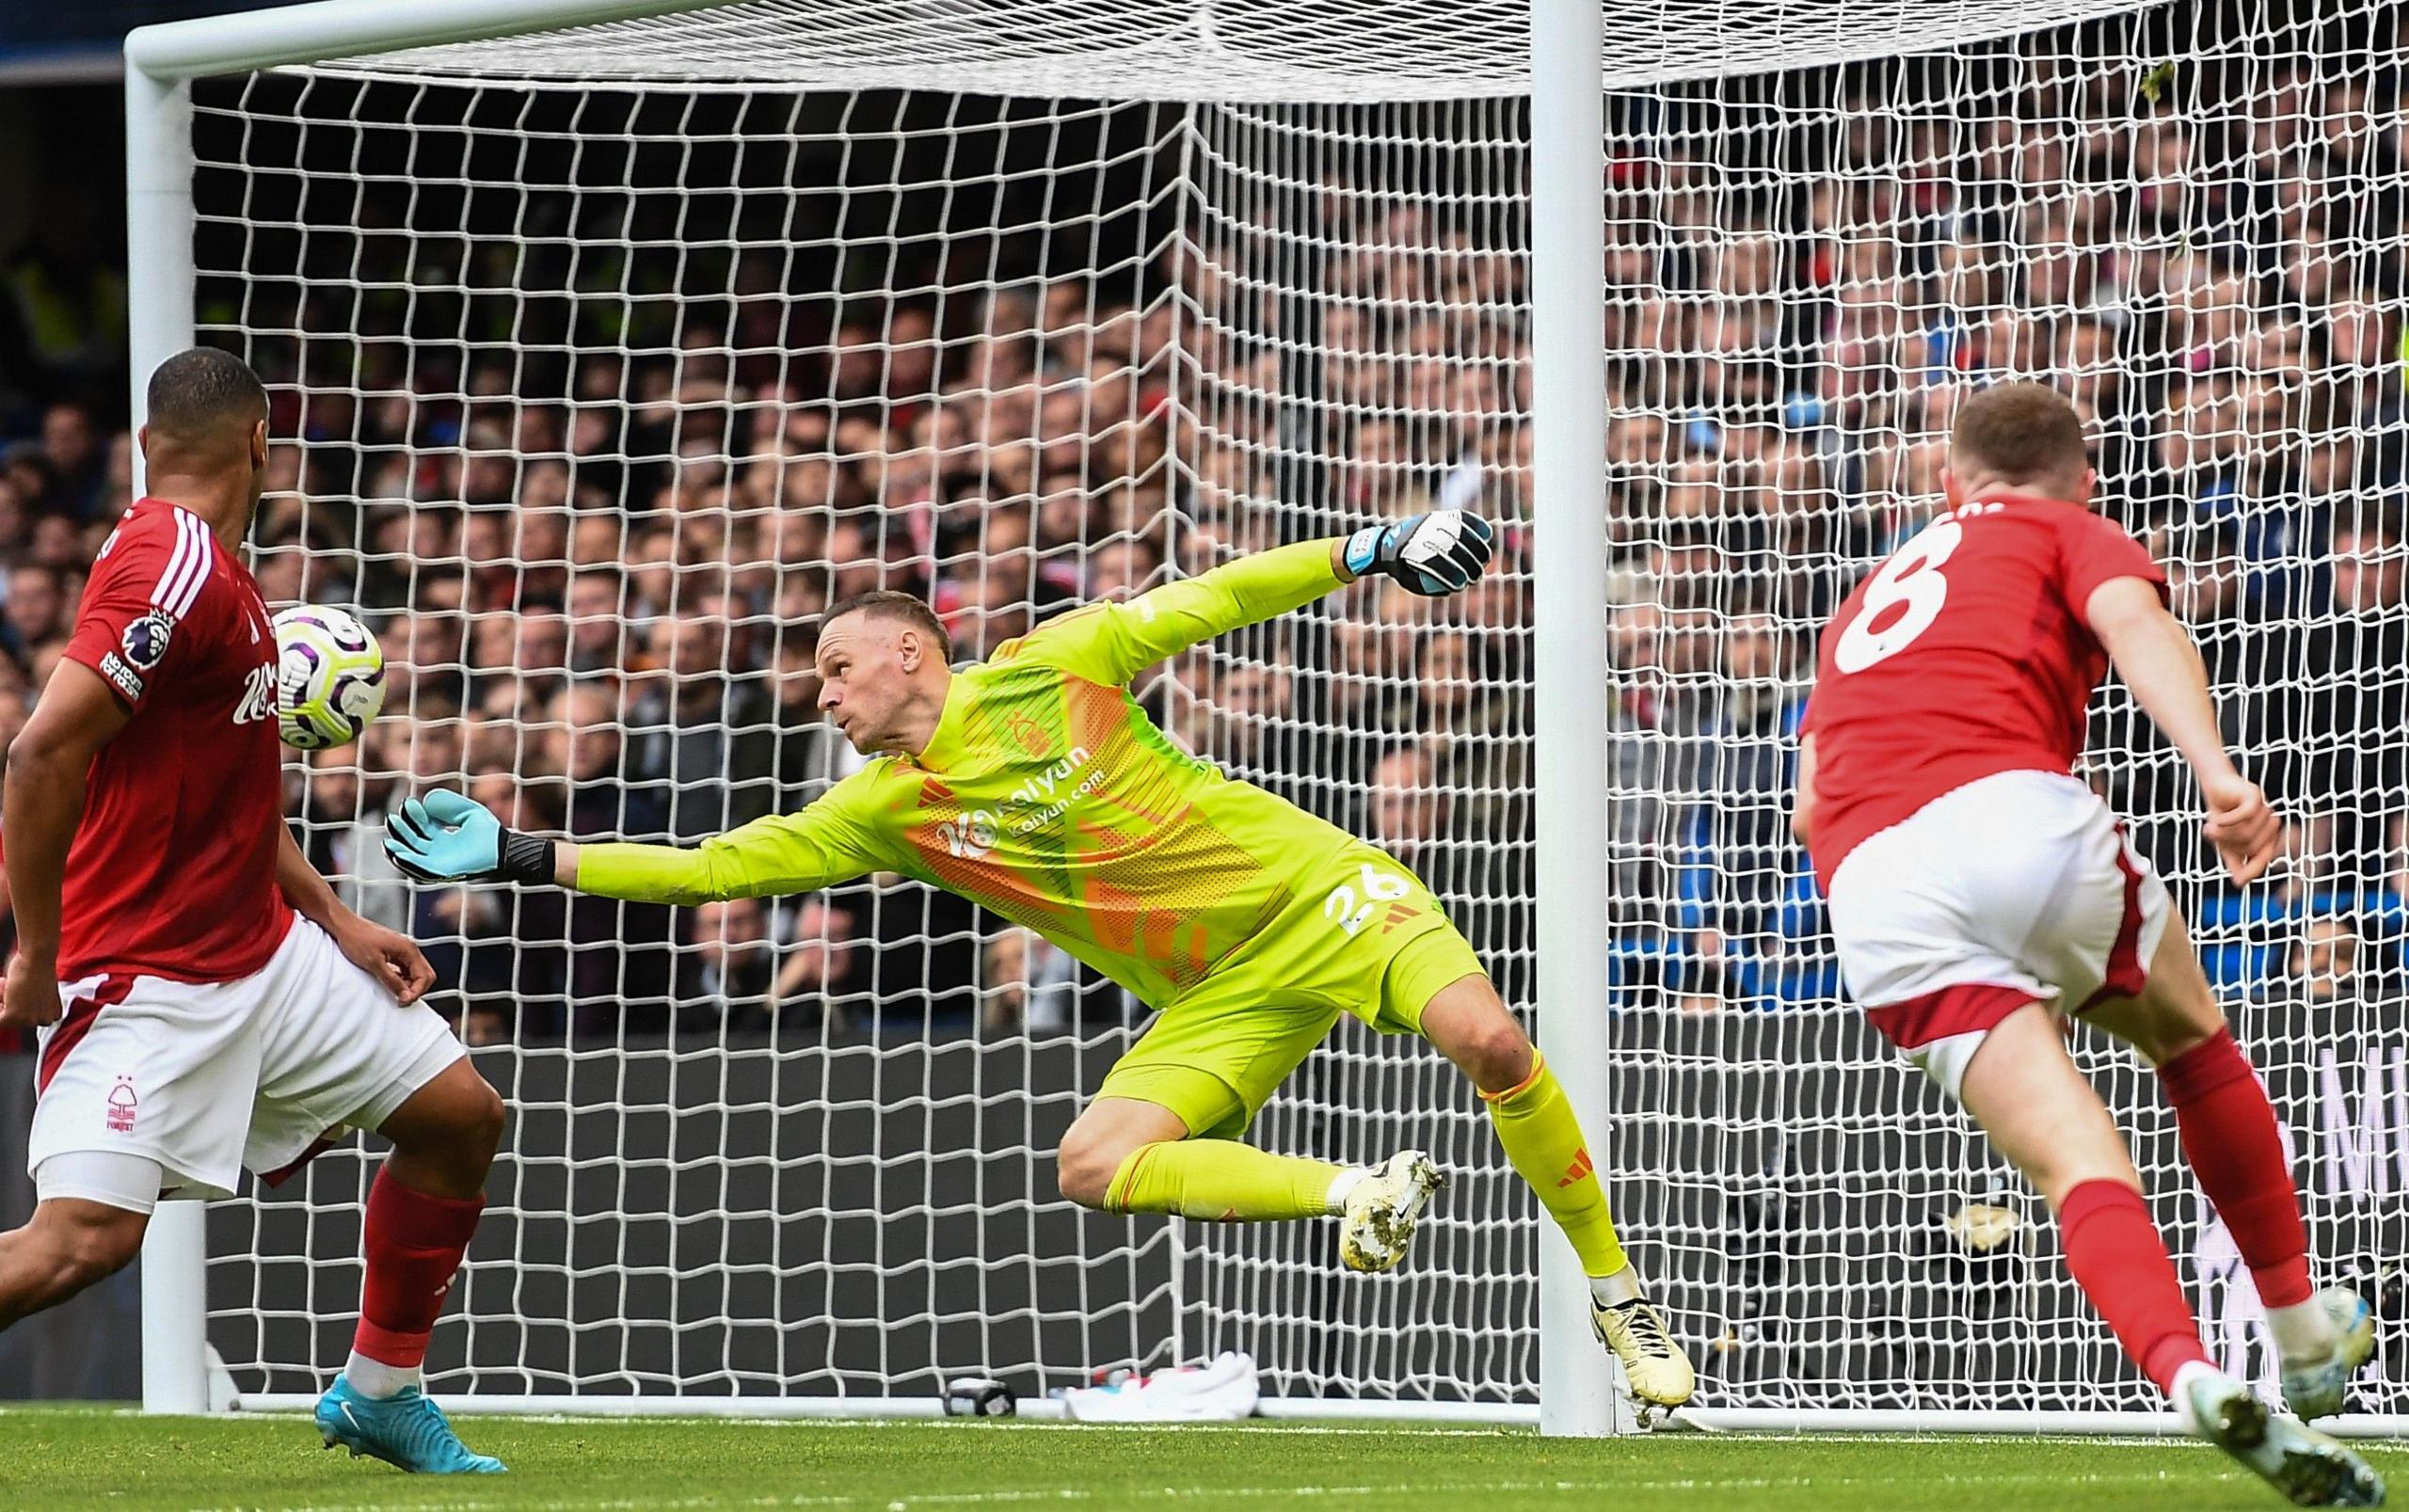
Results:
x,y
1580,1169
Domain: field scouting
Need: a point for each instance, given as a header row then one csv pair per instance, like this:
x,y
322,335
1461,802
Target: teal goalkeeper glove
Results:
x,y
1434,555
445,837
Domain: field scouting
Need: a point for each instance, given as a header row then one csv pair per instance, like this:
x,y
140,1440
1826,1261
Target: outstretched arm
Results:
x,y
1435,554
813,848
445,837
2154,653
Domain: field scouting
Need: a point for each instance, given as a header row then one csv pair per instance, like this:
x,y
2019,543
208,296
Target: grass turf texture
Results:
x,y
55,1460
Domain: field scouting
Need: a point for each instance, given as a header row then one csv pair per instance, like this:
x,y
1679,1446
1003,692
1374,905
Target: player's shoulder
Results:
x,y
1062,645
2059,519
161,553
1071,625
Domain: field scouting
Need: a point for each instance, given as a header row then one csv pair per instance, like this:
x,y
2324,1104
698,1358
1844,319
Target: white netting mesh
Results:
x,y
1280,51
598,394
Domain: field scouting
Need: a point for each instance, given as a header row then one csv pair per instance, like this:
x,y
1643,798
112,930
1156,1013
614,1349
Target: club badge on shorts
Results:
x,y
123,1107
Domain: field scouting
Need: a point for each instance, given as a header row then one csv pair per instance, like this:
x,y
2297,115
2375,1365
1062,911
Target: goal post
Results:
x,y
1198,276
1568,415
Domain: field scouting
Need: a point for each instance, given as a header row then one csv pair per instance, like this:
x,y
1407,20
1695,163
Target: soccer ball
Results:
x,y
329,677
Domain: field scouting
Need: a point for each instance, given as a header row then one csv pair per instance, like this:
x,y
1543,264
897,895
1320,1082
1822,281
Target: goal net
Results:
x,y
604,358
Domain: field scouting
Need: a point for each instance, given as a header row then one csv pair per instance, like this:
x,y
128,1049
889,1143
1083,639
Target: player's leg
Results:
x,y
142,1087
2235,1148
1128,1152
2040,1113
1469,1024
87,1224
339,1052
2024,1090
423,1209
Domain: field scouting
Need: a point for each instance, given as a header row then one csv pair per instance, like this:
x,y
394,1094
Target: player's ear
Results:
x,y
259,445
2083,489
907,650
1949,487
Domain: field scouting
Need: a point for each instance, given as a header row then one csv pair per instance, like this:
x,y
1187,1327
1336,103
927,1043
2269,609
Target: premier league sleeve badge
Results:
x,y
145,642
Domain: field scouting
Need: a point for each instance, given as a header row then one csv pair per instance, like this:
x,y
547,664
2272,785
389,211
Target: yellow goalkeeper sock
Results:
x,y
1542,1138
1220,1179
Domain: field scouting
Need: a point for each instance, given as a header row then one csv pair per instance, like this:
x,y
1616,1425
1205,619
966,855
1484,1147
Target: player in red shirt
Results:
x,y
1981,896
205,1002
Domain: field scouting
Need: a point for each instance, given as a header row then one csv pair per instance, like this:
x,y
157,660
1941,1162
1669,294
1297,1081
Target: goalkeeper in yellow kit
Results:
x,y
1035,786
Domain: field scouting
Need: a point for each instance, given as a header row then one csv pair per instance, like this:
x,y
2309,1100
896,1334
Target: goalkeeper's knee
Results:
x,y
1084,1168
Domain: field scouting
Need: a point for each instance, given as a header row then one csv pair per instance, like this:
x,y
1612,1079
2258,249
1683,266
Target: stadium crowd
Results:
x,y
597,582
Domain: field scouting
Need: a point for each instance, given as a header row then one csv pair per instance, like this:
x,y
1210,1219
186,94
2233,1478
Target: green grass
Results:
x,y
55,1460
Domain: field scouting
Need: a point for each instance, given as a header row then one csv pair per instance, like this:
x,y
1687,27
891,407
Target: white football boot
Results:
x,y
2310,1469
1378,1225
1658,1372
2313,1388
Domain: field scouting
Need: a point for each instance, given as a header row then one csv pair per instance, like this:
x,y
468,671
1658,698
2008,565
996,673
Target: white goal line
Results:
x,y
1901,1422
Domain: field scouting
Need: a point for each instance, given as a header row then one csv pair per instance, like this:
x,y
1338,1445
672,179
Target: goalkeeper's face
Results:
x,y
880,683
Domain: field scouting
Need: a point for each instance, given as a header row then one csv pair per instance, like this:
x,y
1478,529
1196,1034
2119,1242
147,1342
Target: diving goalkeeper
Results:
x,y
1035,786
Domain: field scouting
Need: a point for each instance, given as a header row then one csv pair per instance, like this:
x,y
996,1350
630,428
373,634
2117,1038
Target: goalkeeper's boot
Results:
x,y
406,1430
1378,1224
1658,1373
2310,1469
2313,1388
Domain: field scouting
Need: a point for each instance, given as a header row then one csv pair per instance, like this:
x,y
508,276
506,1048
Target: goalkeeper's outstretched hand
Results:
x,y
1435,554
445,837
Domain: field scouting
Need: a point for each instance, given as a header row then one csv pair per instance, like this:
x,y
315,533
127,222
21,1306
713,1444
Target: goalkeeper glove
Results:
x,y
1434,555
445,837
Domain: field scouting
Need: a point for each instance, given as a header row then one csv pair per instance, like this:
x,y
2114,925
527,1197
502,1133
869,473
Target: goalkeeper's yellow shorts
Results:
x,y
1365,937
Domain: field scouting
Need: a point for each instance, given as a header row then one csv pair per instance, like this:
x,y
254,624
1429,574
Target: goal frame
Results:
x,y
1578,1392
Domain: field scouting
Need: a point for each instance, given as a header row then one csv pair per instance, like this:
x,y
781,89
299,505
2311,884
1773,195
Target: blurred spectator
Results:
x,y
62,297
79,469
701,738
498,952
1030,983
36,613
824,967
2357,667
2327,963
346,796
726,972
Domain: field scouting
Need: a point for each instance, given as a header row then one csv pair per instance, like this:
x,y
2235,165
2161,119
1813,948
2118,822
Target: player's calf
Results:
x,y
2235,1148
423,1210
68,1245
1469,1024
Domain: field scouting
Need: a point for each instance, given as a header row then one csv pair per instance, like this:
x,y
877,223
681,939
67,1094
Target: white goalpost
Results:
x,y
609,342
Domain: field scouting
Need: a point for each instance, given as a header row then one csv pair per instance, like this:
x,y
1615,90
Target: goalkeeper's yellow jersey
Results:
x,y
1048,796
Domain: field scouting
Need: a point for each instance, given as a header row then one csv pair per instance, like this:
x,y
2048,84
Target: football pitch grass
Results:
x,y
56,1460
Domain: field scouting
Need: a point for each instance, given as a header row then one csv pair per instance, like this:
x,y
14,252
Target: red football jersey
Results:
x,y
1964,655
173,872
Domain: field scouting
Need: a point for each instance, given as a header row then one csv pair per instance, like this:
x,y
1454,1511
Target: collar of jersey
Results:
x,y
937,755
2011,497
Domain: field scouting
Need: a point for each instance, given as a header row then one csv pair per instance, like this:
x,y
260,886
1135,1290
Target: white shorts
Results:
x,y
206,1079
2019,888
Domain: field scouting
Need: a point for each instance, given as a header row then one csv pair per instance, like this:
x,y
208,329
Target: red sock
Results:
x,y
413,1243
2121,1264
2231,1138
